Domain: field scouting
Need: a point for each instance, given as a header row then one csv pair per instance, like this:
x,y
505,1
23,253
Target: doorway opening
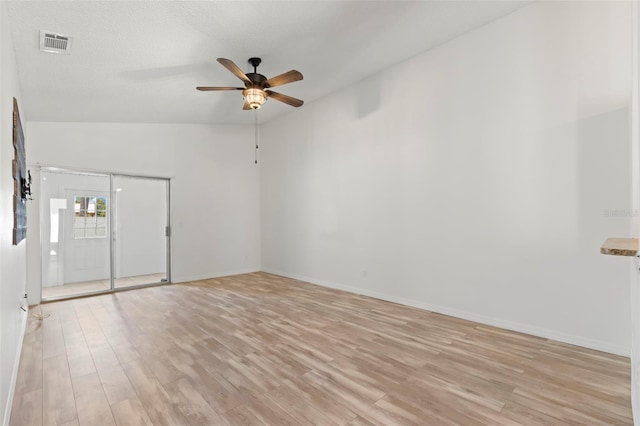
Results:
x,y
102,232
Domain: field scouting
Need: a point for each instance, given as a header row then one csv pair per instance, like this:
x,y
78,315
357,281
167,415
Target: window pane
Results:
x,y
91,207
78,222
90,217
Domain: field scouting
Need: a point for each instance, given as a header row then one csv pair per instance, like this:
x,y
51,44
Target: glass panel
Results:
x,y
76,256
86,210
140,218
101,207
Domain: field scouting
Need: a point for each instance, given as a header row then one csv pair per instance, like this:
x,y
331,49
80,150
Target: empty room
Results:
x,y
319,212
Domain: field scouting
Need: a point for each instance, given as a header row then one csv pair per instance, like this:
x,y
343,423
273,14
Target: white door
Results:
x,y
86,236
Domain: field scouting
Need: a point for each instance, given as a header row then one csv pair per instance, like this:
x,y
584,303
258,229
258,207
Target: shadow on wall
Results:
x,y
367,96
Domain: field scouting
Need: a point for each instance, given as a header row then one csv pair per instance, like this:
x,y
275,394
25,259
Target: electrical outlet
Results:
x,y
24,303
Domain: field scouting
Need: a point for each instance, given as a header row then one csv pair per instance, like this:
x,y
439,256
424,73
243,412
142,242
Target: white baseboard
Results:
x,y
445,310
183,279
14,374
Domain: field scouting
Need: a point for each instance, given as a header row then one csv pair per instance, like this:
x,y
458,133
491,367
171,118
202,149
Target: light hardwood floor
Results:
x,y
262,349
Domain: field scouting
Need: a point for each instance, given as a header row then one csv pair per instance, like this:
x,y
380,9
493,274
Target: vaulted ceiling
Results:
x,y
140,61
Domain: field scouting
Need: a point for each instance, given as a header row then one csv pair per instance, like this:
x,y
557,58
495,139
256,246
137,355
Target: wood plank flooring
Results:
x,y
262,349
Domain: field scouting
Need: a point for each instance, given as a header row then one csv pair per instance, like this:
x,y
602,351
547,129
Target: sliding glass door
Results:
x,y
140,217
102,232
75,234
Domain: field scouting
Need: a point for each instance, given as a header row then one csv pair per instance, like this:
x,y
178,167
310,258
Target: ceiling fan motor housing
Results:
x,y
258,80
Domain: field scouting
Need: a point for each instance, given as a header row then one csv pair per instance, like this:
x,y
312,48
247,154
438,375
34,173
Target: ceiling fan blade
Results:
x,y
284,98
231,66
208,89
246,106
285,78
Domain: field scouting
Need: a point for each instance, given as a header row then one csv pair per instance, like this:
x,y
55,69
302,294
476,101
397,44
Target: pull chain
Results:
x,y
255,122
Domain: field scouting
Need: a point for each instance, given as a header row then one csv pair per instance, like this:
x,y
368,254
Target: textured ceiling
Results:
x,y
140,61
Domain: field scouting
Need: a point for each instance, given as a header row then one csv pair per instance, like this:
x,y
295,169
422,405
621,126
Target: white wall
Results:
x,y
214,185
478,179
12,258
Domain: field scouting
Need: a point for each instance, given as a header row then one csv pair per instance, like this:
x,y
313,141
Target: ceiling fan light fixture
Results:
x,y
254,97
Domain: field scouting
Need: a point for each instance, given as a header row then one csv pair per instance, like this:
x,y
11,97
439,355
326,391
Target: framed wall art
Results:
x,y
21,180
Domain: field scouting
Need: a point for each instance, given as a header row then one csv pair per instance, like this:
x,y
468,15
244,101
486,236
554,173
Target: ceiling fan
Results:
x,y
256,90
